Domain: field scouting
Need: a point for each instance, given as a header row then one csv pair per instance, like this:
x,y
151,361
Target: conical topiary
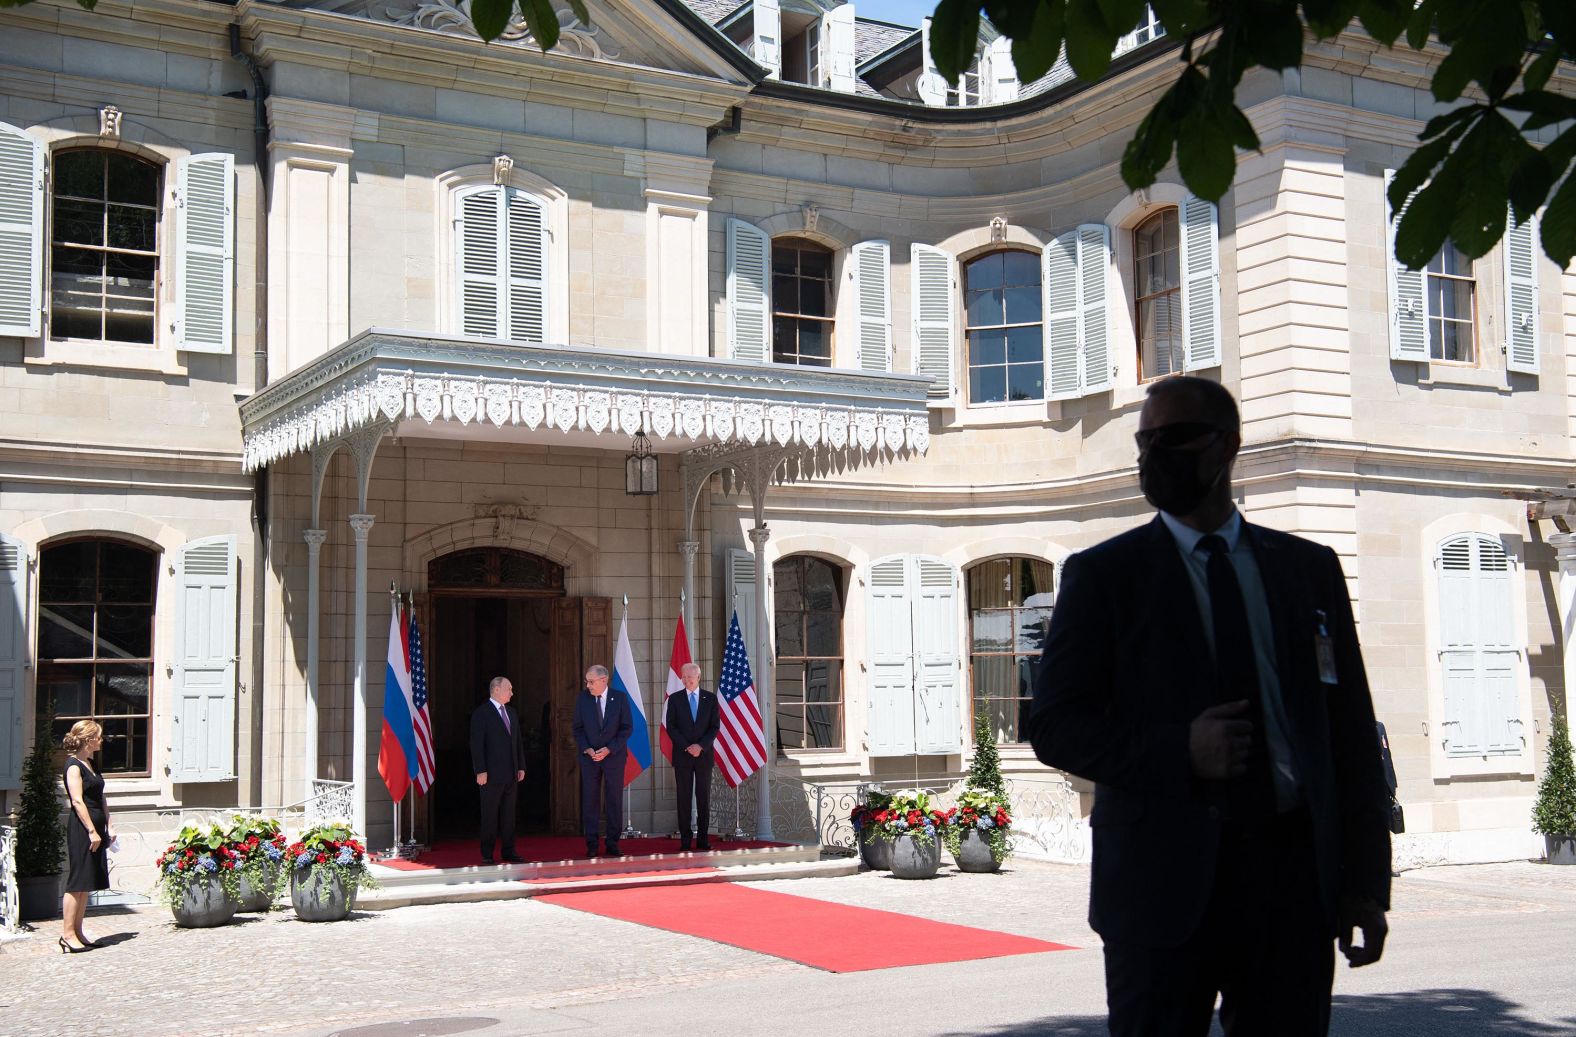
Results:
x,y
985,770
39,832
1554,812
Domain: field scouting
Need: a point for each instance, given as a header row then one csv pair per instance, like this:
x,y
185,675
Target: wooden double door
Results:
x,y
543,643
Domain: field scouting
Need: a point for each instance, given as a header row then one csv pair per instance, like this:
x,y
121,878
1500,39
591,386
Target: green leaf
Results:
x,y
1419,166
582,15
1327,17
1546,108
491,17
1421,25
1034,54
1537,75
1483,49
1273,37
1121,16
1384,20
1089,42
1426,222
1150,149
1559,225
1205,156
1440,123
954,36
1240,129
1181,17
543,20
1529,185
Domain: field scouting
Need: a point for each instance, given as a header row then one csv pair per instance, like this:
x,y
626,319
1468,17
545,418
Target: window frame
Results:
x,y
1014,593
781,662
827,322
965,376
1140,297
1471,280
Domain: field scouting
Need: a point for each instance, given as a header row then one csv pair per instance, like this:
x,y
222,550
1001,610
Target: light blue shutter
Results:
x,y
1479,650
889,641
527,267
933,302
873,295
202,739
21,233
1200,283
741,588
1059,273
939,684
1521,295
1408,300
1462,734
205,253
1094,315
1499,654
477,242
13,658
749,297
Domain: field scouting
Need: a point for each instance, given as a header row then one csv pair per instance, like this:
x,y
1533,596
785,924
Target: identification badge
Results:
x,y
1324,650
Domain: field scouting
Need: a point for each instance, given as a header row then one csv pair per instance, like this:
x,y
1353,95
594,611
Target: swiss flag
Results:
x,y
676,664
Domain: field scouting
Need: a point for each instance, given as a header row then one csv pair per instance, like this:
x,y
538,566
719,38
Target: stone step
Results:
x,y
396,878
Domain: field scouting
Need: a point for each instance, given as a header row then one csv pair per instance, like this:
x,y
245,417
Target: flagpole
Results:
x,y
629,826
394,848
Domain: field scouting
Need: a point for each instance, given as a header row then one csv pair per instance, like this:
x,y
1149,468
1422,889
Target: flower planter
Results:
x,y
203,905
1561,849
875,852
320,896
254,899
974,853
913,860
39,897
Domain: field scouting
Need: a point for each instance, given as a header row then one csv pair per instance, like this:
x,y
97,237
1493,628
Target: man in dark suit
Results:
x,y
692,721
1205,674
602,726
498,759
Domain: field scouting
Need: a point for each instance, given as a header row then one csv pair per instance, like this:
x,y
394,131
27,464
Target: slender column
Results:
x,y
314,548
1564,545
362,525
763,674
687,548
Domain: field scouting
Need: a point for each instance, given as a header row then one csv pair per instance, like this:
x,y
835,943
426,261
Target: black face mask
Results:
x,y
1171,481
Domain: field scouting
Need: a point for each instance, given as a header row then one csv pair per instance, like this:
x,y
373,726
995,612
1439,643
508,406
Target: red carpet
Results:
x,y
464,853
622,875
834,937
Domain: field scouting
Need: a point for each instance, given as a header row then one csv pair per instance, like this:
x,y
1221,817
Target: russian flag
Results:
x,y
679,659
397,748
624,680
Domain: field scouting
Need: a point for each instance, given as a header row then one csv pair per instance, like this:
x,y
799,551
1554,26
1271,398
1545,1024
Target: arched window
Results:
x,y
1009,615
1004,309
501,263
802,314
104,246
808,599
1157,280
95,645
1479,647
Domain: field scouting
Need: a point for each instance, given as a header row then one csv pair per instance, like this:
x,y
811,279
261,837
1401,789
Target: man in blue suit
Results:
x,y
1205,674
602,726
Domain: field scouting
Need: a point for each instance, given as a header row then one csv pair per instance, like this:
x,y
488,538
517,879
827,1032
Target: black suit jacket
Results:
x,y
496,751
700,730
1126,669
610,731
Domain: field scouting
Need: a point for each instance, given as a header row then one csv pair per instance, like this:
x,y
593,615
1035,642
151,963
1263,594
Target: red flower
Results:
x,y
322,858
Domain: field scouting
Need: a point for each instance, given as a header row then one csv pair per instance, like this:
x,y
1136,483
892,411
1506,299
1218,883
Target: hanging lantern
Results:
x,y
640,467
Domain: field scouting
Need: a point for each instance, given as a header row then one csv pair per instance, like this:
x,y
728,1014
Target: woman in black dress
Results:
x,y
88,833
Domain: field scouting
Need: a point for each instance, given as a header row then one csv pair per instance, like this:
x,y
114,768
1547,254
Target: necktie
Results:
x,y
694,698
1253,794
504,712
601,706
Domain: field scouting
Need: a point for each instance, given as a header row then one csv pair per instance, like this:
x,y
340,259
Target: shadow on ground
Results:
x,y
1422,1013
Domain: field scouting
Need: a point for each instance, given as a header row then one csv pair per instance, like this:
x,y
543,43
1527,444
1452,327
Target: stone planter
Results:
x,y
911,860
875,852
1561,849
320,896
974,853
39,897
203,905
252,899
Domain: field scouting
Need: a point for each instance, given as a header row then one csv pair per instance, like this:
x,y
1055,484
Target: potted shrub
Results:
x,y
915,830
328,866
1554,812
978,837
40,833
197,878
875,849
258,848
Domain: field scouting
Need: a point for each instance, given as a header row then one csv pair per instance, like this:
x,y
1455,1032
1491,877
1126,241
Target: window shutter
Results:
x,y
837,48
202,742
204,253
21,233
1498,652
1479,650
873,290
1094,266
1521,295
13,658
998,75
767,50
749,303
933,300
890,635
1200,283
1059,272
938,689
1458,651
741,588
932,89
477,241
527,240
1408,300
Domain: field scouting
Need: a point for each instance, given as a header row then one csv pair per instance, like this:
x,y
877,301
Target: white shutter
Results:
x,y
741,590
205,253
749,298
933,299
527,268
889,634
1458,651
1480,653
479,272
1521,295
939,686
998,75
1200,283
202,739
931,87
1498,651
873,292
1059,274
13,658
21,233
767,50
1094,312
1408,300
837,48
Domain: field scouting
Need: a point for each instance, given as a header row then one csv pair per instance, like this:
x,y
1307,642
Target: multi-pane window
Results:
x,y
801,303
967,92
808,597
1147,29
1009,614
104,253
1002,298
1451,292
1157,283
95,645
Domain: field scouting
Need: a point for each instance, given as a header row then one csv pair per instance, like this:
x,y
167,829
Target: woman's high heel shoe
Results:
x,y
66,948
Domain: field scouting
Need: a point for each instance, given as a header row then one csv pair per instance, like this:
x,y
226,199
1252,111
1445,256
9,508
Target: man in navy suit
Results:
x,y
602,726
692,721
498,760
1205,674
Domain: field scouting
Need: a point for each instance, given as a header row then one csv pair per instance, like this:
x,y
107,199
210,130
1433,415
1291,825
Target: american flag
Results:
x,y
422,721
741,740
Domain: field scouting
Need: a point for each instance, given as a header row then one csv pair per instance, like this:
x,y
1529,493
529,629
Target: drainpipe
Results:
x,y
728,128
260,156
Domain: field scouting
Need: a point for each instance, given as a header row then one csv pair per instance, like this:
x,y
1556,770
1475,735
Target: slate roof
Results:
x,y
714,11
872,38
